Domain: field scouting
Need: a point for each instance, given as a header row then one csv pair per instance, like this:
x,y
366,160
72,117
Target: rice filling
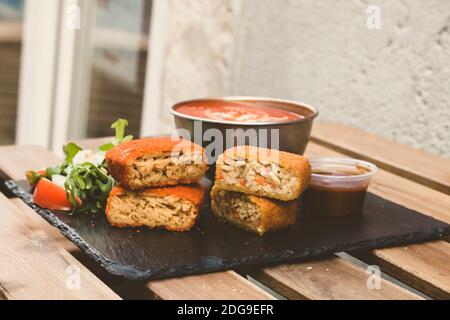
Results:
x,y
151,211
256,176
152,170
238,209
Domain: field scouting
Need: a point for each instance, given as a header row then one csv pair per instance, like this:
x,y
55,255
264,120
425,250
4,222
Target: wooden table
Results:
x,y
36,261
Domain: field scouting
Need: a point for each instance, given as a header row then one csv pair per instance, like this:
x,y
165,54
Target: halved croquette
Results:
x,y
256,214
263,172
156,162
172,208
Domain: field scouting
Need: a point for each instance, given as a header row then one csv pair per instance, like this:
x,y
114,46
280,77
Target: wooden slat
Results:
x,y
330,279
430,271
386,185
414,164
28,214
273,277
216,286
15,160
42,160
126,289
33,267
425,266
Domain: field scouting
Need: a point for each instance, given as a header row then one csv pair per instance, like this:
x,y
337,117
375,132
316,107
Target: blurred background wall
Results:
x,y
393,81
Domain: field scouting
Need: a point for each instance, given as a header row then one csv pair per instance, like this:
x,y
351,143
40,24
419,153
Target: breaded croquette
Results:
x,y
263,172
156,162
173,208
256,214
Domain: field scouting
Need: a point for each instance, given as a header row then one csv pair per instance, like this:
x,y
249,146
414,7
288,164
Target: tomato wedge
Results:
x,y
50,196
33,177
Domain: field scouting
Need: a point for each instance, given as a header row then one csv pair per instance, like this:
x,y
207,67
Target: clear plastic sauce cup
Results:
x,y
338,186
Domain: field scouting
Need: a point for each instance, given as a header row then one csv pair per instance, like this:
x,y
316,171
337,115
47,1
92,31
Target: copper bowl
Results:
x,y
293,135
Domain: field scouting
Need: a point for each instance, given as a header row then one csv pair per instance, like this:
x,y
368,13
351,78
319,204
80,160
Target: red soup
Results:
x,y
240,112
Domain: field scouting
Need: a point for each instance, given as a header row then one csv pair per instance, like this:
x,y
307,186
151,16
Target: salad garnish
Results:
x,y
83,176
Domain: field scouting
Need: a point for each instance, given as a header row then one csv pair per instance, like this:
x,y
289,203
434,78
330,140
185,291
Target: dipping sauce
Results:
x,y
320,200
343,172
239,112
338,187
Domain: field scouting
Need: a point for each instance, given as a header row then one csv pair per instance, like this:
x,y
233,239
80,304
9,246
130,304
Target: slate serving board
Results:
x,y
212,245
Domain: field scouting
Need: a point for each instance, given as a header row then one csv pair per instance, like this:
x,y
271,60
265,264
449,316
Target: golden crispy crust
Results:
x,y
275,215
193,193
167,227
297,165
134,149
259,193
120,158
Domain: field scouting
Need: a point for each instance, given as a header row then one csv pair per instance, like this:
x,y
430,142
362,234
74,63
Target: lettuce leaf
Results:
x,y
119,126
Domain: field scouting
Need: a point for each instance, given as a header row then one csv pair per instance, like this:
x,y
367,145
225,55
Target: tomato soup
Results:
x,y
240,112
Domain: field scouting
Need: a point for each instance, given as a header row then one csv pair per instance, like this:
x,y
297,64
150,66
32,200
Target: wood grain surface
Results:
x,y
385,184
425,168
329,279
429,273
424,266
15,160
274,279
216,286
33,266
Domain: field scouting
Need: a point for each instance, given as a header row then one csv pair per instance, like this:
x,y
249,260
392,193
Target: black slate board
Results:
x,y
212,245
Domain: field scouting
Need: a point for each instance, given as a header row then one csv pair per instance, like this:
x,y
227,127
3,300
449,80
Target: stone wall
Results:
x,y
394,81
196,54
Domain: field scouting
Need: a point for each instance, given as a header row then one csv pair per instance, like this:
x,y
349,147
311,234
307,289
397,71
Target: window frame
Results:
x,y
55,72
151,110
38,72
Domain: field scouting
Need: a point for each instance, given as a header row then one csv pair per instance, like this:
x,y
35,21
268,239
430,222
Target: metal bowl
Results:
x,y
293,135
